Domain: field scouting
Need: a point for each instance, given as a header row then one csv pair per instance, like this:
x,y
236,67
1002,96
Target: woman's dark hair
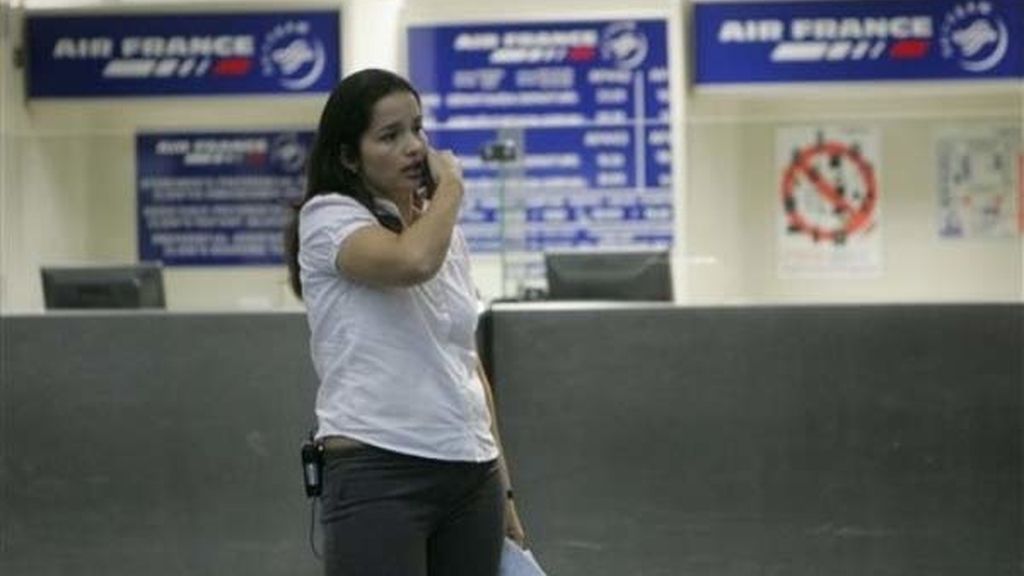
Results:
x,y
345,118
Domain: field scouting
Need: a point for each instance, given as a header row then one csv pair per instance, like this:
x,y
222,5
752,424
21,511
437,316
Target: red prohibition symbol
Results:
x,y
853,210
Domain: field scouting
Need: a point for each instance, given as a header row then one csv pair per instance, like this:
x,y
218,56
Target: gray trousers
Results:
x,y
390,514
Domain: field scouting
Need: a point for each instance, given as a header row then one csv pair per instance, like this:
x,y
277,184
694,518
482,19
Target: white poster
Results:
x,y
978,180
829,223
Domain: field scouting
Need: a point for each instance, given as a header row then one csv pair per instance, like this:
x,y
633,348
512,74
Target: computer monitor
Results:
x,y
103,287
588,275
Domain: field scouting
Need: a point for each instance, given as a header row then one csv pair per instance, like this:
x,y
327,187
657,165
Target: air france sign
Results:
x,y
619,43
199,54
217,198
740,43
585,104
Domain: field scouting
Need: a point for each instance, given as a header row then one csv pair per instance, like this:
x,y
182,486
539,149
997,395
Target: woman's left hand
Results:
x,y
513,527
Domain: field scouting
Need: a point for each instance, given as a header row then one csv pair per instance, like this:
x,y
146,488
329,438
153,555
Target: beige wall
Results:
x,y
6,145
69,195
67,182
733,192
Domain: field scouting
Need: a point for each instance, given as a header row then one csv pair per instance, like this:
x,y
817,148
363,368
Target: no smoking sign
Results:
x,y
829,191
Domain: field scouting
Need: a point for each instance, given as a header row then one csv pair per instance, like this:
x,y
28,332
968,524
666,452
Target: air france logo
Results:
x,y
288,52
175,56
288,153
623,44
829,39
975,36
292,54
512,47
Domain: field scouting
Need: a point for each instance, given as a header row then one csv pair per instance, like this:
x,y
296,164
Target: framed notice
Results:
x,y
217,198
978,180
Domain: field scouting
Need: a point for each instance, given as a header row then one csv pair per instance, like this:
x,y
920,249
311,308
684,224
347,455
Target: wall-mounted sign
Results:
x,y
585,108
177,54
847,40
829,202
978,180
217,198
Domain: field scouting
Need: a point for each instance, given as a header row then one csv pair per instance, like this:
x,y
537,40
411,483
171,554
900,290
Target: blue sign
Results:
x,y
756,42
175,54
585,106
217,198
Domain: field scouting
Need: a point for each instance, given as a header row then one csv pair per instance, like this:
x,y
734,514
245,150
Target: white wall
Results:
x,y
67,180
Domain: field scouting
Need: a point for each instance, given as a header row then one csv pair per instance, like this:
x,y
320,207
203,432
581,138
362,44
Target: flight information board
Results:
x,y
562,129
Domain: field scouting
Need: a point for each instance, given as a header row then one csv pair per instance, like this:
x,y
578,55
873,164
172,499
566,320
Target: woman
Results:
x,y
414,483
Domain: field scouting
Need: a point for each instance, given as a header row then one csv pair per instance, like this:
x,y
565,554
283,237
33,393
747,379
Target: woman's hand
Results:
x,y
445,170
376,256
513,527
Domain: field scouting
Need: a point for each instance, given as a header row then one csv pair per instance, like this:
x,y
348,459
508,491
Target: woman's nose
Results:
x,y
416,145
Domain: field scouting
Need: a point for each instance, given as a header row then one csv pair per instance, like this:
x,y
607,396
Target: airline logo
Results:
x,y
525,46
254,53
833,39
160,56
973,33
289,152
287,53
622,44
293,55
893,39
976,36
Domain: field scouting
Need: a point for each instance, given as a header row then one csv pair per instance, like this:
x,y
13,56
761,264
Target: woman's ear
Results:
x,y
349,160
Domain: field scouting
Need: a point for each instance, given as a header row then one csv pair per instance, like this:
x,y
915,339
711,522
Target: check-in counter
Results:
x,y
798,441
154,443
643,439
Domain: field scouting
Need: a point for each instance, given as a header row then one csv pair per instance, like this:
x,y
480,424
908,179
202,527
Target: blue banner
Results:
x,y
757,42
585,107
183,54
217,198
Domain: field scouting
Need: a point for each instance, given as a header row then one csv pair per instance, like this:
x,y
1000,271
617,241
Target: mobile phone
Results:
x,y
427,182
312,467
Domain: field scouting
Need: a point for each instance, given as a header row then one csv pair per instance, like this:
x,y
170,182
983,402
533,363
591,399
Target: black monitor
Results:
x,y
103,287
586,275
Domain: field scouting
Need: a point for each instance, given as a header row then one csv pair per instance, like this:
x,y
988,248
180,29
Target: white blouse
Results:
x,y
397,366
